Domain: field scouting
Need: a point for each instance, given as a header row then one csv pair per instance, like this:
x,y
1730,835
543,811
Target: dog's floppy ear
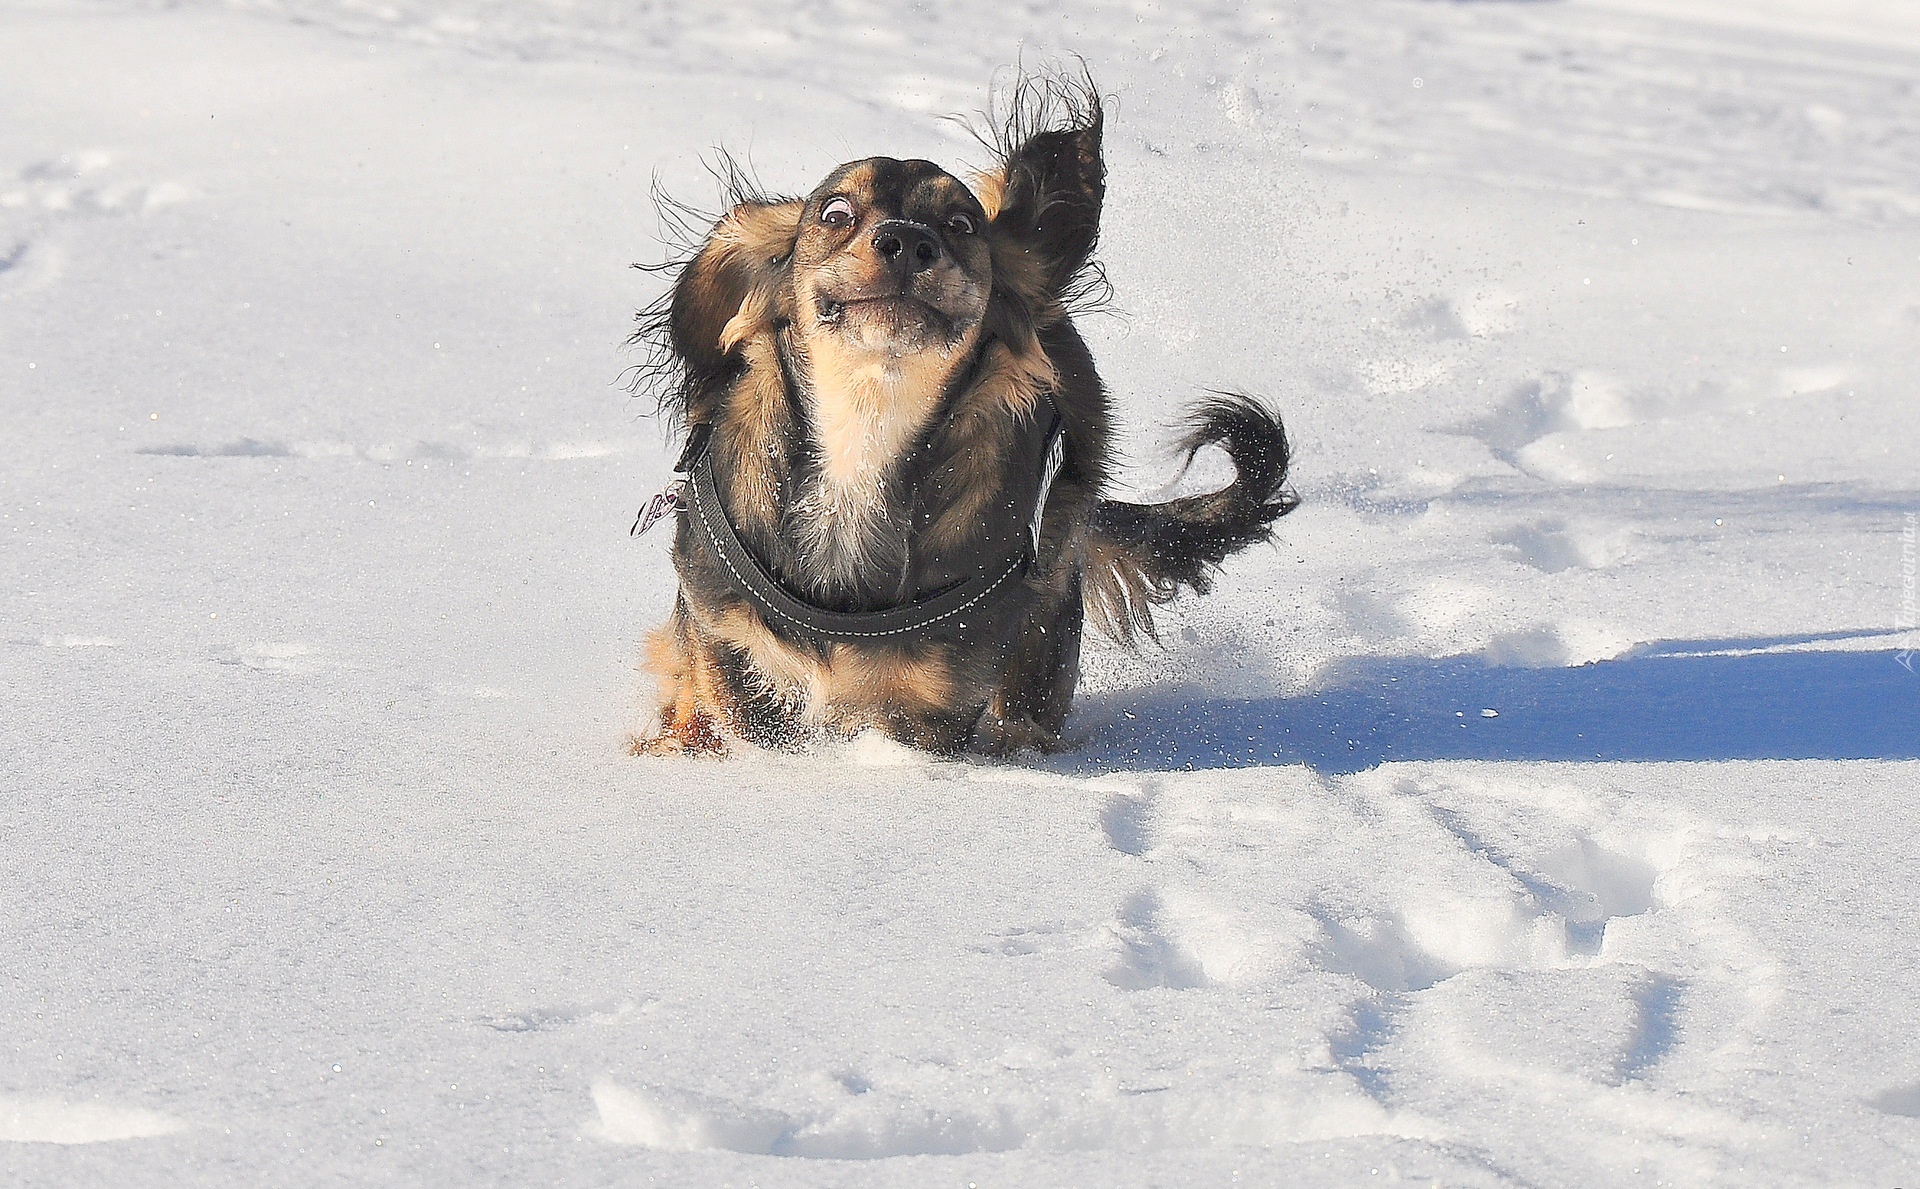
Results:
x,y
1044,197
728,291
722,295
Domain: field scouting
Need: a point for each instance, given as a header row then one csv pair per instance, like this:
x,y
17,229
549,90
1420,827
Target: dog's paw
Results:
x,y
693,735
997,736
673,745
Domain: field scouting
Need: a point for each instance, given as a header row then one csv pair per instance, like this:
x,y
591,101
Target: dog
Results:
x,y
892,516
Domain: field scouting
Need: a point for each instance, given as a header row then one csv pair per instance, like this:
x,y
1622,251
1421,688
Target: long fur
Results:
x,y
668,361
1140,555
1025,122
862,484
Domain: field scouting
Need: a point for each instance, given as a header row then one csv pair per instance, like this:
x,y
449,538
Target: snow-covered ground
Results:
x,y
1540,811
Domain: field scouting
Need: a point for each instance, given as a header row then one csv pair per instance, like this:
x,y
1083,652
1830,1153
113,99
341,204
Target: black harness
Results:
x,y
695,494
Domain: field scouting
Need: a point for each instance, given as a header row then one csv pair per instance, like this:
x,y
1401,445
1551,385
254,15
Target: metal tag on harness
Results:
x,y
674,498
660,507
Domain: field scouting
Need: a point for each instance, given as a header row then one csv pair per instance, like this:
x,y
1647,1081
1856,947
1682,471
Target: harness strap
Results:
x,y
708,518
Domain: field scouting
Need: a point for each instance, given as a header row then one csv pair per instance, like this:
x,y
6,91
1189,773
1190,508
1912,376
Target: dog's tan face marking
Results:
x,y
891,277
891,259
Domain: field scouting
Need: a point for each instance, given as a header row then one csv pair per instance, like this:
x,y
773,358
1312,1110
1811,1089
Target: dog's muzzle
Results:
x,y
906,246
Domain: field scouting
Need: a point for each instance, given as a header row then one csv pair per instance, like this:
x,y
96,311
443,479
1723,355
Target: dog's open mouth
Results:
x,y
834,309
897,317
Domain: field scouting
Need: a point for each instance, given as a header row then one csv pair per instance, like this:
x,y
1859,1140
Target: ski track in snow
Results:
x,y
1538,811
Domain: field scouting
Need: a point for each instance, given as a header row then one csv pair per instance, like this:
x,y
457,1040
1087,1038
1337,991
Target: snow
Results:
x,y
1540,810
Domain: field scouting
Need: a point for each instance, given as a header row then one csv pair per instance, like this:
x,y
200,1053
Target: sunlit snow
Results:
x,y
1539,810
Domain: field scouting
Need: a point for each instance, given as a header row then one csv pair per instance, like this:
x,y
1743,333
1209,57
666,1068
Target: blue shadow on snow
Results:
x,y
1706,700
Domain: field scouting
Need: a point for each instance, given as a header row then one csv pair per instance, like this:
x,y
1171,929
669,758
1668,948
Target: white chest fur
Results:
x,y
867,410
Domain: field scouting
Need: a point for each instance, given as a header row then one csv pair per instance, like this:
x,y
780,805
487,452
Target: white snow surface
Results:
x,y
1539,810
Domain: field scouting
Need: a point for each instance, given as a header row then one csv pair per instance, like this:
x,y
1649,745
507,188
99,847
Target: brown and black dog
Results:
x,y
882,382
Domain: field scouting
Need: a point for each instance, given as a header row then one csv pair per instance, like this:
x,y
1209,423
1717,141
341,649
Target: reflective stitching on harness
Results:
x,y
700,506
766,594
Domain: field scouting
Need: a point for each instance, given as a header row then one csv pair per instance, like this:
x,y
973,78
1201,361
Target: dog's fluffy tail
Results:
x,y
1139,556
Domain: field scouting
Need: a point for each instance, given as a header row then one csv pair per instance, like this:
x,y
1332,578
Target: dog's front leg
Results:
x,y
683,671
1029,707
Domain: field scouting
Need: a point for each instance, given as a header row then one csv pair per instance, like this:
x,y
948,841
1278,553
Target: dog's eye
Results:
x,y
960,224
838,212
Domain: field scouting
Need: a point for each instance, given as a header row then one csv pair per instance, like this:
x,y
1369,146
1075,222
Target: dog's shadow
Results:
x,y
1698,700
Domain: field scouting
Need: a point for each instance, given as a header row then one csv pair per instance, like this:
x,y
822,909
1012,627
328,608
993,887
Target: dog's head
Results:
x,y
897,258
891,258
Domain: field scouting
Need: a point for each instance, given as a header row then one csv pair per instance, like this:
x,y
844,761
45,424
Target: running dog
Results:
x,y
891,515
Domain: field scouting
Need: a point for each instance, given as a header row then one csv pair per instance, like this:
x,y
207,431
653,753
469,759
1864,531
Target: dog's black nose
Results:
x,y
908,247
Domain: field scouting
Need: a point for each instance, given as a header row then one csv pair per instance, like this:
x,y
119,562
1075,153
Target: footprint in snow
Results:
x,y
27,263
1045,938
1150,954
271,657
238,448
861,1125
1898,1100
79,184
405,452
1553,545
1380,951
550,1019
1604,1026
1557,402
1127,821
1583,885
